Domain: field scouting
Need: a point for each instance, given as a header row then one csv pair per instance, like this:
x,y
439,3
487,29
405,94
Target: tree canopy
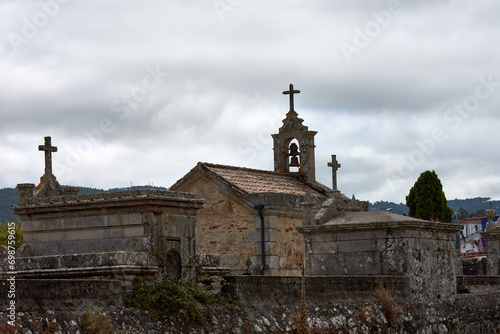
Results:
x,y
426,199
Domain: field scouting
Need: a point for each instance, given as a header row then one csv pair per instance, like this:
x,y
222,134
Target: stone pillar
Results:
x,y
25,193
492,237
270,240
190,246
492,252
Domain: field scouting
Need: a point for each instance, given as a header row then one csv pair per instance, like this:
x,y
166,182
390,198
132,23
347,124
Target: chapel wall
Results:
x,y
224,226
290,246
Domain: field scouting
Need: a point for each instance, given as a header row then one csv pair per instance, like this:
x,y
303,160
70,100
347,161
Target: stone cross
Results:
x,y
48,148
335,166
291,92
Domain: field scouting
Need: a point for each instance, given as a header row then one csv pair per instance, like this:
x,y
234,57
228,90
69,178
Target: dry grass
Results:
x,y
94,322
300,320
367,316
301,328
8,329
49,326
393,312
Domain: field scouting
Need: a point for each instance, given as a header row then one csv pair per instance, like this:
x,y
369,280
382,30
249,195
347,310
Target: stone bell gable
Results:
x,y
293,129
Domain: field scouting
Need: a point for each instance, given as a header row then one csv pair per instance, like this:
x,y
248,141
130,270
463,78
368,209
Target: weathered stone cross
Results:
x,y
335,166
291,92
48,154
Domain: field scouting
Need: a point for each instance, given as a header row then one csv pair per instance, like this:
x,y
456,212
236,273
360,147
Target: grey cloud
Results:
x,y
221,98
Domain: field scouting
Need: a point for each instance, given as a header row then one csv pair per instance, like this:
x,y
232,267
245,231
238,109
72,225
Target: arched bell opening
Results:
x,y
293,156
293,131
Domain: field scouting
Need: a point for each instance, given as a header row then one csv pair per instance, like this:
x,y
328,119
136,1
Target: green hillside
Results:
x,y
473,204
462,208
383,206
8,197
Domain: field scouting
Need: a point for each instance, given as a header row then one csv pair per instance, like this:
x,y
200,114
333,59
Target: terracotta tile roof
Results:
x,y
254,181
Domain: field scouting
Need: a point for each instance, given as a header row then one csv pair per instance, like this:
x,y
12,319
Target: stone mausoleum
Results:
x,y
117,234
343,241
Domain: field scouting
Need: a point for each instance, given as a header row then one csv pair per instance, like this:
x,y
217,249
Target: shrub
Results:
x,y
426,199
392,311
94,322
168,296
17,235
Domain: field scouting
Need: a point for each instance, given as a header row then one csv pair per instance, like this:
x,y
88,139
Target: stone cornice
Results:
x,y
491,235
131,198
398,225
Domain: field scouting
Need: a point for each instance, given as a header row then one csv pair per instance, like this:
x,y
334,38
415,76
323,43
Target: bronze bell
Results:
x,y
294,162
294,150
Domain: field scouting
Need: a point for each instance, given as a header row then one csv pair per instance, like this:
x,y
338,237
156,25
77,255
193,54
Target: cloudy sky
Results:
x,y
140,91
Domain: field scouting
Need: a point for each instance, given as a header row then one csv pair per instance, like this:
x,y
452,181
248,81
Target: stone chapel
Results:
x,y
251,216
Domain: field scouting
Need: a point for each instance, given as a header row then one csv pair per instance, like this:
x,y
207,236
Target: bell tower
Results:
x,y
287,153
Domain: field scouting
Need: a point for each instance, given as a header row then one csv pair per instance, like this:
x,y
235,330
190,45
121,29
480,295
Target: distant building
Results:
x,y
471,243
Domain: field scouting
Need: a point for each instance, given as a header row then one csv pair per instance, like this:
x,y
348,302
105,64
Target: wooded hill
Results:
x,y
462,208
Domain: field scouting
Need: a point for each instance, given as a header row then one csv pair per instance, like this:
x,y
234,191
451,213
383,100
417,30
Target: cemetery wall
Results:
x,y
473,266
334,305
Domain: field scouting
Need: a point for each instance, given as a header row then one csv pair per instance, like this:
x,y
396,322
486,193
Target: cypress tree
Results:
x,y
426,199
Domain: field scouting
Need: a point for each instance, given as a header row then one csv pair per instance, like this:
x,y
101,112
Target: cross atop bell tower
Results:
x,y
291,92
284,149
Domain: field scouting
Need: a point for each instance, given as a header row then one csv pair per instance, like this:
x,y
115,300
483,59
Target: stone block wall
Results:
x,y
473,266
57,233
422,251
334,305
284,245
350,304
